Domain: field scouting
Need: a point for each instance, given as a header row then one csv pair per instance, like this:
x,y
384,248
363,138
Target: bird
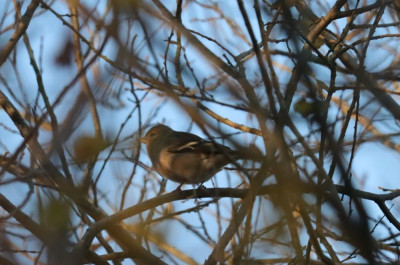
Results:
x,y
184,157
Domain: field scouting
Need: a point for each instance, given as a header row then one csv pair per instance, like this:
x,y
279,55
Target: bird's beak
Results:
x,y
143,140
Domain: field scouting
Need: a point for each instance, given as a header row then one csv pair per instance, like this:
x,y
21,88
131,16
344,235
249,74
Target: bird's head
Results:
x,y
155,132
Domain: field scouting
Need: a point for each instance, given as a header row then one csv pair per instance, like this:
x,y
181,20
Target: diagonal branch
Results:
x,y
21,28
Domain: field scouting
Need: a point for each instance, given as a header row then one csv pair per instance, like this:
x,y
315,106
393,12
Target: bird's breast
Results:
x,y
191,168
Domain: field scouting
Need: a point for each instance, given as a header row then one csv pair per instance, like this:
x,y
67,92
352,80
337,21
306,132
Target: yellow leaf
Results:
x,y
87,148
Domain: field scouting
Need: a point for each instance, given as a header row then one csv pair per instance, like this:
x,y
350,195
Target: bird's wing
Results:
x,y
187,142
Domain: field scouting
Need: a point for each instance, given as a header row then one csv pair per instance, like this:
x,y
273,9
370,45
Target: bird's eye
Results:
x,y
152,134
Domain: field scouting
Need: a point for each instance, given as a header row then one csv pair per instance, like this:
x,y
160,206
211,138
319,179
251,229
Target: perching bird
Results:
x,y
184,157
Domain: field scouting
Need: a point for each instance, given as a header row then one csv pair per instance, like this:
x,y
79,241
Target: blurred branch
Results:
x,y
84,82
21,27
126,241
304,56
22,218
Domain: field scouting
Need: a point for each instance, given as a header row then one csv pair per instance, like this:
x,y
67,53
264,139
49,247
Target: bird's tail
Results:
x,y
248,153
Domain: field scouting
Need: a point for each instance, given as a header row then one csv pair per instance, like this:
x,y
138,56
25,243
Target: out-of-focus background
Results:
x,y
310,86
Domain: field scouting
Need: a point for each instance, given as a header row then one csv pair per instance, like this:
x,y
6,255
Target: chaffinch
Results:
x,y
184,157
